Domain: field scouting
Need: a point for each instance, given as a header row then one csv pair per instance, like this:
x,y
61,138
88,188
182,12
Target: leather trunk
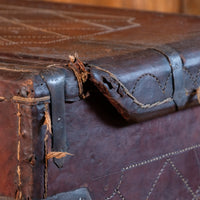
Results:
x,y
98,103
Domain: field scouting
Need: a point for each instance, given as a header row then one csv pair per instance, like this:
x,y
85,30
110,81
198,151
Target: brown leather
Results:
x,y
49,32
145,88
104,145
132,47
22,149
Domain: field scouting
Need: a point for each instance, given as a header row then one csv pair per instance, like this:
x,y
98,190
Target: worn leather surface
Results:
x,y
22,138
155,88
122,41
162,155
159,158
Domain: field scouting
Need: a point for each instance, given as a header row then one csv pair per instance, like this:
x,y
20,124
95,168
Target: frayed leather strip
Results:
x,y
18,195
31,100
57,155
80,73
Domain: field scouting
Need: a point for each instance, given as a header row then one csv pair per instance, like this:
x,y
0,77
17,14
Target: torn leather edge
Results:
x,y
81,74
178,83
117,86
178,97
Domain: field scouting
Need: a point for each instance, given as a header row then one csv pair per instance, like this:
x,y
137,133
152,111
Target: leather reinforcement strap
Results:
x,y
55,80
175,62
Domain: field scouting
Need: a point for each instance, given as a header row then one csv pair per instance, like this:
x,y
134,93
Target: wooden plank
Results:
x,y
151,5
191,7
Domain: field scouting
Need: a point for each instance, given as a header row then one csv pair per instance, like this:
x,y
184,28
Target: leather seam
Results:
x,y
156,180
19,183
183,179
26,100
149,161
155,78
194,79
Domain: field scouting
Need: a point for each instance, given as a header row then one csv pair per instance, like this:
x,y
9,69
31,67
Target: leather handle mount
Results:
x,y
144,101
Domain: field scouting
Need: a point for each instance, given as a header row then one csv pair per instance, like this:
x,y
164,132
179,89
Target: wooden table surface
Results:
x,y
174,6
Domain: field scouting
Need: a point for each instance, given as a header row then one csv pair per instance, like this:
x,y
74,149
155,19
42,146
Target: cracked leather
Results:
x,y
152,82
144,64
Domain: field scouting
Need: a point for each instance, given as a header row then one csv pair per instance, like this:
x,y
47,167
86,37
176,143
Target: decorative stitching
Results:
x,y
120,195
88,22
149,161
16,70
197,195
108,20
156,180
4,39
29,36
50,28
19,191
126,91
69,37
163,88
29,10
67,18
157,158
31,42
18,22
198,190
191,76
183,179
117,188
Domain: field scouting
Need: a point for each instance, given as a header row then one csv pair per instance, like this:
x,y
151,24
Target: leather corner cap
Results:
x,y
79,194
146,84
139,84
